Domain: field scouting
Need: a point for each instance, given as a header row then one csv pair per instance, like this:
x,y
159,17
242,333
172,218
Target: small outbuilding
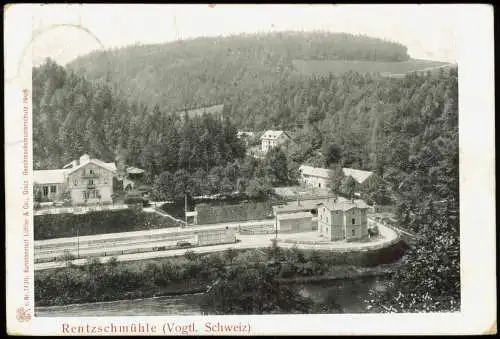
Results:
x,y
294,222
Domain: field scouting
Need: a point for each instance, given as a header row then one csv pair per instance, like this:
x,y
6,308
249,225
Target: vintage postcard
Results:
x,y
221,169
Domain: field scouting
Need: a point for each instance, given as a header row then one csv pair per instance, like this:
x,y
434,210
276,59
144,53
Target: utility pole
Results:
x,y
185,208
77,243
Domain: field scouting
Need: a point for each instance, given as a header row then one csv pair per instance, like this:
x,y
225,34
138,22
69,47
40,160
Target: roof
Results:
x,y
49,176
294,206
297,215
358,175
133,170
315,171
110,166
273,135
344,204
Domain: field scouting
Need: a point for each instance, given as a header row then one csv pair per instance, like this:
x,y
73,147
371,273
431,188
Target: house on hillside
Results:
x,y
364,179
340,219
85,180
271,139
320,177
314,176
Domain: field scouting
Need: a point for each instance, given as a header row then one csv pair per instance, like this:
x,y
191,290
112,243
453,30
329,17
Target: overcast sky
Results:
x,y
428,31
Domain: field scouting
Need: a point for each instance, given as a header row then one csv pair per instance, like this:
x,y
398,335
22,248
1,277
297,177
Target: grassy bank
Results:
x,y
96,282
50,226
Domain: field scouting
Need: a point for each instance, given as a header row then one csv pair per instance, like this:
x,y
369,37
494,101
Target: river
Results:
x,y
349,294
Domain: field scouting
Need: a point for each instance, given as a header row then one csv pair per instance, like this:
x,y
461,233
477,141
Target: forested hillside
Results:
x,y
206,71
405,129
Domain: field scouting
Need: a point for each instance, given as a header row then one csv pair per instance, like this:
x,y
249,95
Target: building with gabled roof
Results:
x,y
320,177
272,138
86,180
342,219
359,175
315,176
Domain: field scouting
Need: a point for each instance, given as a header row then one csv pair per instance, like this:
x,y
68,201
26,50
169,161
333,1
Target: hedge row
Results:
x,y
127,280
51,226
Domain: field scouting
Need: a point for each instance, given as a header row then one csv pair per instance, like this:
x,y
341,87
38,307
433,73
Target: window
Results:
x,y
45,190
76,182
85,195
91,171
91,181
53,189
353,232
353,221
319,185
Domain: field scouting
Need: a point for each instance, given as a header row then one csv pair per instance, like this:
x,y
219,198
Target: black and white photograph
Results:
x,y
242,160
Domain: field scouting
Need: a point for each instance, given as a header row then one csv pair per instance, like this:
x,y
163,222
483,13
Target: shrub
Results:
x,y
67,256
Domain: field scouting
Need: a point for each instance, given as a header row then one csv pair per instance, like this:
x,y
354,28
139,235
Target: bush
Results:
x,y
68,256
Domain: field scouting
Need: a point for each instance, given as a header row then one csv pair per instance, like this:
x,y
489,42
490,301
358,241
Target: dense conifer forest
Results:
x,y
127,103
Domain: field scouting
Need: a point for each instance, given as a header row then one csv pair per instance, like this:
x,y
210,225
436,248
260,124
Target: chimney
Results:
x,y
84,158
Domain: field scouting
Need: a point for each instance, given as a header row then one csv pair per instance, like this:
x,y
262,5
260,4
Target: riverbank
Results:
x,y
349,295
191,273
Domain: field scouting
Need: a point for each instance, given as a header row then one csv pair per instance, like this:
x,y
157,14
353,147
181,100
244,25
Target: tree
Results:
x,y
348,187
248,290
230,254
335,179
259,188
191,255
332,154
276,166
314,115
163,187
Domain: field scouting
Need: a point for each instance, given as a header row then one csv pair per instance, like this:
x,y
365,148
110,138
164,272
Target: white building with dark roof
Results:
x,y
342,219
271,139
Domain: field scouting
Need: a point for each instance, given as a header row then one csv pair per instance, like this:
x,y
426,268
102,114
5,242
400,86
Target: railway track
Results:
x,y
122,243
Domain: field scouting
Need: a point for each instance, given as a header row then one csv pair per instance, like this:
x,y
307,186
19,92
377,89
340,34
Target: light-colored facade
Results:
x,y
271,139
315,176
85,181
343,220
91,183
217,236
318,177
